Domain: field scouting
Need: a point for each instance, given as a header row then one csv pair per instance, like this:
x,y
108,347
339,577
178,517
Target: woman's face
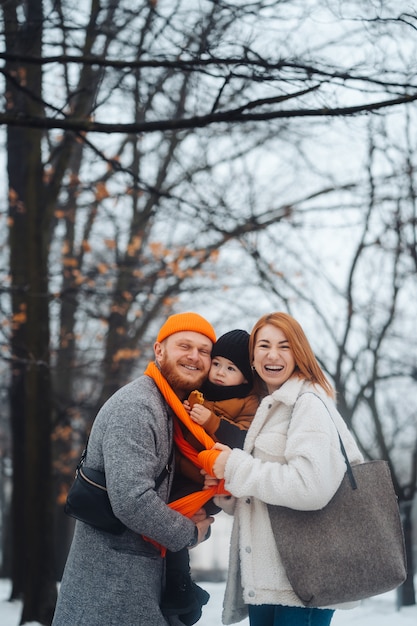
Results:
x,y
273,358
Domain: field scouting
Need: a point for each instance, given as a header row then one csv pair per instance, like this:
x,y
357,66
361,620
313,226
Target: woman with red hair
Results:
x,y
292,458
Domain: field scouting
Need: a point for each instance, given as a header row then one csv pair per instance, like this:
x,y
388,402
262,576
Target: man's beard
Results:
x,y
180,384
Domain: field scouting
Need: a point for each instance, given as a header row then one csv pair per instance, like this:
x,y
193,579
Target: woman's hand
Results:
x,y
220,463
209,481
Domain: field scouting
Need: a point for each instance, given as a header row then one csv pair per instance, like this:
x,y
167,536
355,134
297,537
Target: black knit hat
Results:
x,y
234,346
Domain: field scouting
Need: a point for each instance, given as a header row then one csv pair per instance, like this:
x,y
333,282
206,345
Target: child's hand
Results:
x,y
187,406
200,414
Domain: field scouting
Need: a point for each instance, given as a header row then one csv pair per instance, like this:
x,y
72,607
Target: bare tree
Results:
x,y
124,186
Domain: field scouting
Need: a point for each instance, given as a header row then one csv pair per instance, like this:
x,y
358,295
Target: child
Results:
x,y
229,404
228,407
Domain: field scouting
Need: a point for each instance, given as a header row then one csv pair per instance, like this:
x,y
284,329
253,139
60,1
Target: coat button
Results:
x,y
248,549
251,594
269,406
247,500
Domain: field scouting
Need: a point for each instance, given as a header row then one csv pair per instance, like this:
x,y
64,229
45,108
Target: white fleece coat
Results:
x,y
291,458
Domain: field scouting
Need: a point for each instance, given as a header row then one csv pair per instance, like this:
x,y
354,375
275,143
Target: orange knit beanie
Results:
x,y
186,321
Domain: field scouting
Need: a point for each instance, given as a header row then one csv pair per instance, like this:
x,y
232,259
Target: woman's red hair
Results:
x,y
306,364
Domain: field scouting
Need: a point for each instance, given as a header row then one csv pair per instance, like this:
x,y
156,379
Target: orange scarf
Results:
x,y
188,505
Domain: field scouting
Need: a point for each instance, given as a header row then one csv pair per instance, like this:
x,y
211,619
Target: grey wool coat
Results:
x,y
116,580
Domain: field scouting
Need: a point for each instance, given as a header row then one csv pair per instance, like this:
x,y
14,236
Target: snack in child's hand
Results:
x,y
195,397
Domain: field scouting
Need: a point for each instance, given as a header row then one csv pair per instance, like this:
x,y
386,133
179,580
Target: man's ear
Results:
x,y
158,351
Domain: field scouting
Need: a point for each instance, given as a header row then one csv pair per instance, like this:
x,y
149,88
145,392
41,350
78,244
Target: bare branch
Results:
x,y
230,117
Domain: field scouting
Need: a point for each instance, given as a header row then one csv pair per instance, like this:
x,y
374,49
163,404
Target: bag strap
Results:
x,y
167,470
82,457
158,482
349,470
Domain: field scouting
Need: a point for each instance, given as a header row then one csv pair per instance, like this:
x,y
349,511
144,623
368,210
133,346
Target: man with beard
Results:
x,y
118,579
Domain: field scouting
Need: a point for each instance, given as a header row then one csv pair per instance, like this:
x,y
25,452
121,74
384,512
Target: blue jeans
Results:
x,y
279,615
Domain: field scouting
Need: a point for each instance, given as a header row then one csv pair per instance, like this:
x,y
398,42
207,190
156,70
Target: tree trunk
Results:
x,y
406,594
33,575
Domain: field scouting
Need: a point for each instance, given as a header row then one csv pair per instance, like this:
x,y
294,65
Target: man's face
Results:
x,y
184,360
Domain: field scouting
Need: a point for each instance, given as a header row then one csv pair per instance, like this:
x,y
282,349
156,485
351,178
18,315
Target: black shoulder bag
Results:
x,y
88,500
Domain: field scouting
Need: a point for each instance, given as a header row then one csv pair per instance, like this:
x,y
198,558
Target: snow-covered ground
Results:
x,y
378,611
214,554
